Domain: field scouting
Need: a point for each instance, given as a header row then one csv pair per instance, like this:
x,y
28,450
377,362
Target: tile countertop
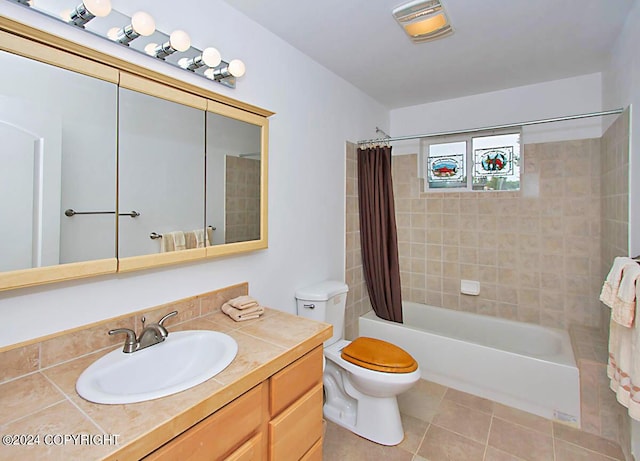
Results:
x,y
46,403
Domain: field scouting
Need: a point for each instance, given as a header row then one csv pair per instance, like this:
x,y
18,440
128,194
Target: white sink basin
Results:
x,y
183,360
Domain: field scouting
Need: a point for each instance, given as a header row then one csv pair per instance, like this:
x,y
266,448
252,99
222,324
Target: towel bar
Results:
x,y
71,212
155,235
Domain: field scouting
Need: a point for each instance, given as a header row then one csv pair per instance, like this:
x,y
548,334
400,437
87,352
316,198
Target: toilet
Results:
x,y
361,377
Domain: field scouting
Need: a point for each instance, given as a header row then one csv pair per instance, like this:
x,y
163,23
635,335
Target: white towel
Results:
x,y
612,282
624,306
172,241
623,368
166,244
178,240
200,238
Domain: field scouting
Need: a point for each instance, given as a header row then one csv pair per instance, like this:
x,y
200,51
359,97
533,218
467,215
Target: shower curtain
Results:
x,y
378,234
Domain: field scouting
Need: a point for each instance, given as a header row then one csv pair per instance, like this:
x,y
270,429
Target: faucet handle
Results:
x,y
130,343
170,314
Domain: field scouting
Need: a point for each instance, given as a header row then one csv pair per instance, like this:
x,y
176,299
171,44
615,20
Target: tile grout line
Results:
x,y
486,445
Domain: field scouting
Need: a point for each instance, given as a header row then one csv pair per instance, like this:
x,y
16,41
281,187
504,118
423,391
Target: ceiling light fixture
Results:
x,y
141,24
423,20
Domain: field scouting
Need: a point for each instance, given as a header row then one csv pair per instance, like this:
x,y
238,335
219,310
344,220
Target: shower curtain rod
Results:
x,y
495,127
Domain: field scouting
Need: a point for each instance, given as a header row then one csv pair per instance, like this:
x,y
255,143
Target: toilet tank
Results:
x,y
325,302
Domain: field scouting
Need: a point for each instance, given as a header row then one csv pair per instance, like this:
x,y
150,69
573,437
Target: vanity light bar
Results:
x,y
142,24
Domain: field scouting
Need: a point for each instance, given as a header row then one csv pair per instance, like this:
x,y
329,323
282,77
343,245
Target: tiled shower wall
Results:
x,y
540,258
615,196
536,254
611,418
242,196
537,258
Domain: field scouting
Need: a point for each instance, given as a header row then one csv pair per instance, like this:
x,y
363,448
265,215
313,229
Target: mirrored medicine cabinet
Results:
x,y
110,167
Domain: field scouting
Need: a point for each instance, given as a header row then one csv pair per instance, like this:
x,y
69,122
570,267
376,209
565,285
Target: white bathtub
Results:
x,y
517,364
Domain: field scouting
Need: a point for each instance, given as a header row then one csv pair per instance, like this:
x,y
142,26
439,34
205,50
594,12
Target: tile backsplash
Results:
x,y
23,359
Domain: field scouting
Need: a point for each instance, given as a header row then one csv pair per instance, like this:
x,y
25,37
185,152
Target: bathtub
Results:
x,y
521,365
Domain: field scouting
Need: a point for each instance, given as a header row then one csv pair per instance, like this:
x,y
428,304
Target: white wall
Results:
x,y
316,112
557,98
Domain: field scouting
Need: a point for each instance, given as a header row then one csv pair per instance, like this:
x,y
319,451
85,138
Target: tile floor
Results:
x,y
444,424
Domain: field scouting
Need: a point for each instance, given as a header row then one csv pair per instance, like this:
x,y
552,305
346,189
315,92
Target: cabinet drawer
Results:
x,y
289,384
314,453
218,435
298,428
251,450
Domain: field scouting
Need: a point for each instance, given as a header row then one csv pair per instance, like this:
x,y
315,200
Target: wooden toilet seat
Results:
x,y
379,355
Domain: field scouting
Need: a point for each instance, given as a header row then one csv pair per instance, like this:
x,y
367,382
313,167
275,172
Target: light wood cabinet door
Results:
x,y
229,432
292,382
294,431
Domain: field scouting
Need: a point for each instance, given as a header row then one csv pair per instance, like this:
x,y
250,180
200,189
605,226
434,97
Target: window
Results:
x,y
488,161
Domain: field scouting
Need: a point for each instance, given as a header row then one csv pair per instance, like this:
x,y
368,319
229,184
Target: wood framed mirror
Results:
x,y
189,161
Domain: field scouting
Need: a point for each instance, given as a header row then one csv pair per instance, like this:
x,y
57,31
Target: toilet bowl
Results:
x,y
362,377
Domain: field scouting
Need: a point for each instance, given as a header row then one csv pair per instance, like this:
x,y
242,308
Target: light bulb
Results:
x,y
66,14
210,73
143,24
236,68
179,40
113,33
211,57
98,8
150,49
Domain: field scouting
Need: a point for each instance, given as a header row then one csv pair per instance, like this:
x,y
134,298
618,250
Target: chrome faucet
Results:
x,y
152,334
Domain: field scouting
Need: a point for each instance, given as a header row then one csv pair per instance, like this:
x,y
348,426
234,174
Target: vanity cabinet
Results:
x,y
278,420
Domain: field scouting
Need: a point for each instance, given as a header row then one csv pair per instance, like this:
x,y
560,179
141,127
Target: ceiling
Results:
x,y
496,44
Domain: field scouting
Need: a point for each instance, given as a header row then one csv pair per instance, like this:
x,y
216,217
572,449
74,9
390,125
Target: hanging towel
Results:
x,y
623,367
190,240
243,302
624,306
200,238
612,282
241,315
172,241
178,240
166,243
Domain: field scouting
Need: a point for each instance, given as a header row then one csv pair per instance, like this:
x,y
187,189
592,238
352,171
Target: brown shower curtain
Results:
x,y
378,233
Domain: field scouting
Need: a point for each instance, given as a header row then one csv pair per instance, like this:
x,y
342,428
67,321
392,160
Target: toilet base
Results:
x,y
374,418
385,430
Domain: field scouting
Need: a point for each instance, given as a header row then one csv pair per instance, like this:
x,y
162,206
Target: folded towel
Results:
x,y
612,283
243,302
240,315
624,307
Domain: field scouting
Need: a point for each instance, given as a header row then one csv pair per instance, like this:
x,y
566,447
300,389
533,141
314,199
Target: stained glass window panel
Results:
x,y
446,165
496,162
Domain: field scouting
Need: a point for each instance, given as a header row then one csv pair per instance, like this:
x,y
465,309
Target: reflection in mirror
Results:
x,y
161,175
58,152
233,179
